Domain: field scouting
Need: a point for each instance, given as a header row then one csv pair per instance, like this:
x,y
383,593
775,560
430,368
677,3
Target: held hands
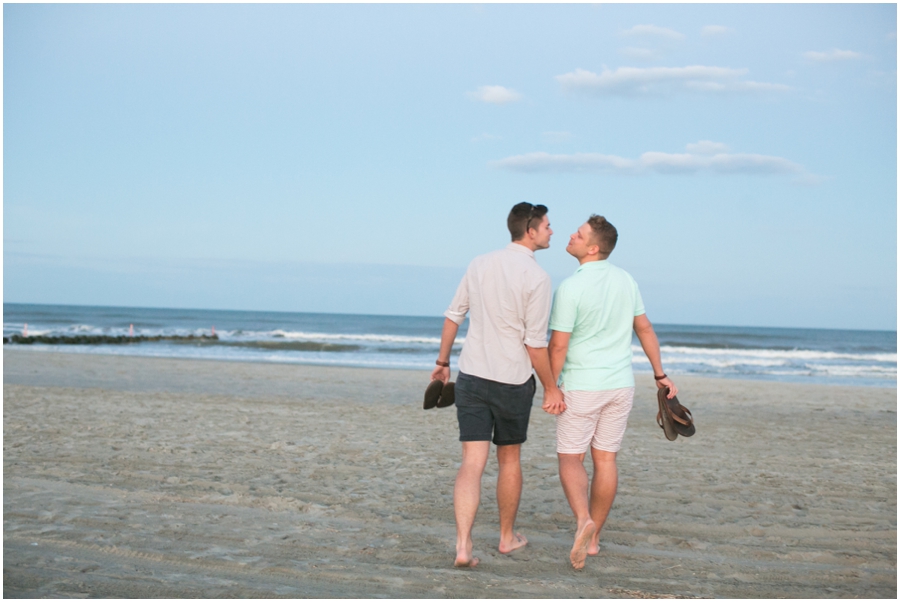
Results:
x,y
665,382
553,401
441,373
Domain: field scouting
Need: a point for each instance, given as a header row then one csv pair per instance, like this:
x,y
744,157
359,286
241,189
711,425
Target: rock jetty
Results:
x,y
103,339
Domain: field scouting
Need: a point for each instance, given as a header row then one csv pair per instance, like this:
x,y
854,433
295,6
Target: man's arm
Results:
x,y
559,346
645,334
553,397
537,314
448,335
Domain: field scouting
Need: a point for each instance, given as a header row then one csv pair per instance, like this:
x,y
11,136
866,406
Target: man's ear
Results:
x,y
594,250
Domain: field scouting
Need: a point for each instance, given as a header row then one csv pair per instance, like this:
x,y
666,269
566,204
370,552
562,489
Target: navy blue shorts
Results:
x,y
492,411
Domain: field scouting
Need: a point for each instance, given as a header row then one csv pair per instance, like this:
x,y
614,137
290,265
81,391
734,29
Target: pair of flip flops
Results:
x,y
673,418
439,395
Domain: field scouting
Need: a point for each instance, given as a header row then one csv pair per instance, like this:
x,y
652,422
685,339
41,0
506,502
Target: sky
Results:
x,y
355,158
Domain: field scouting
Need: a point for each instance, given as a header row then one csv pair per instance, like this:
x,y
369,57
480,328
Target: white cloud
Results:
x,y
497,95
715,30
557,136
485,136
653,30
652,80
831,55
642,54
537,162
703,156
706,147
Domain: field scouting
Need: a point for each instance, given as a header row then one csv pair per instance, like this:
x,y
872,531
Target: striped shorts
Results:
x,y
593,419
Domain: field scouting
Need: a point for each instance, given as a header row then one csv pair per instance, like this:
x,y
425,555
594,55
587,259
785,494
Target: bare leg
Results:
x,y
574,481
466,496
509,491
603,492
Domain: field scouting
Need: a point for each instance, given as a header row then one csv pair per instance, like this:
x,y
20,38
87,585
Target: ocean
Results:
x,y
802,355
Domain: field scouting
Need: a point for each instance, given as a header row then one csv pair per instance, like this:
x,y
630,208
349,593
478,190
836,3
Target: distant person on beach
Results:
x,y
507,296
594,313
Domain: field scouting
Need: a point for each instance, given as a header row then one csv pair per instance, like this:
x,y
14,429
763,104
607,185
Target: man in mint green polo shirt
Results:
x,y
594,313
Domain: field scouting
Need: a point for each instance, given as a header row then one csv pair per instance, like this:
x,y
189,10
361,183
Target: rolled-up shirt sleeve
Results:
x,y
459,307
537,314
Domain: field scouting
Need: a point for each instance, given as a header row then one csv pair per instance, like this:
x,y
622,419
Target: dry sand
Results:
x,y
137,477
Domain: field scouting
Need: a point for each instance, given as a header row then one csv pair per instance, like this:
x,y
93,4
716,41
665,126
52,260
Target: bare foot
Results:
x,y
466,564
582,541
594,547
464,557
518,541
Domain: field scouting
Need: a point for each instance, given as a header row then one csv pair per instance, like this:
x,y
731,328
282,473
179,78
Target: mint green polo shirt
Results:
x,y
597,305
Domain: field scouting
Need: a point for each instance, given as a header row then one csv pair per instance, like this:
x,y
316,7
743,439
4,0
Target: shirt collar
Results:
x,y
593,265
514,246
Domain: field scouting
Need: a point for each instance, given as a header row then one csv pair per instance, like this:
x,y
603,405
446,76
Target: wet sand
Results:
x,y
140,477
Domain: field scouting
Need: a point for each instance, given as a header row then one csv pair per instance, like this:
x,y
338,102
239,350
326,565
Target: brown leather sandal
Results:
x,y
448,396
680,418
439,395
664,417
432,394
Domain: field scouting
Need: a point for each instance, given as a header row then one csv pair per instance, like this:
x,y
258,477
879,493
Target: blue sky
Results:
x,y
354,158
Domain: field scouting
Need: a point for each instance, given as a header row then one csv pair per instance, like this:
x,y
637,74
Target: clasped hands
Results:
x,y
553,401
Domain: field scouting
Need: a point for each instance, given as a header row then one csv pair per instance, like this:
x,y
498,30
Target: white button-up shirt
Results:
x,y
507,295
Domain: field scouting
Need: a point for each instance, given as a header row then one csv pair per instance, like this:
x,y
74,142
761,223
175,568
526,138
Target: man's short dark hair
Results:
x,y
605,234
522,217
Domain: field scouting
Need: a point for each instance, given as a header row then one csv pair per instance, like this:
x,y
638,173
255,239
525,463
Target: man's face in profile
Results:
x,y
580,242
542,233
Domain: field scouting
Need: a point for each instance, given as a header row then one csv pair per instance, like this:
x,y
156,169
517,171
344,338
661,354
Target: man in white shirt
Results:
x,y
507,296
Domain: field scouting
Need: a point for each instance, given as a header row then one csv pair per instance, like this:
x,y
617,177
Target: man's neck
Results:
x,y
589,258
527,244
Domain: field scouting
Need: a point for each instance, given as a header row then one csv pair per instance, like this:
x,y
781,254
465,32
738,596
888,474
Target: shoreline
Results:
x,y
138,477
869,383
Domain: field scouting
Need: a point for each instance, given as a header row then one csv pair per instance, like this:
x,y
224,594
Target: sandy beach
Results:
x,y
142,477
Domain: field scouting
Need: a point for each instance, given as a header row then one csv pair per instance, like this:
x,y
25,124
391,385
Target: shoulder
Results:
x,y
568,286
538,275
539,272
622,273
487,258
526,262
